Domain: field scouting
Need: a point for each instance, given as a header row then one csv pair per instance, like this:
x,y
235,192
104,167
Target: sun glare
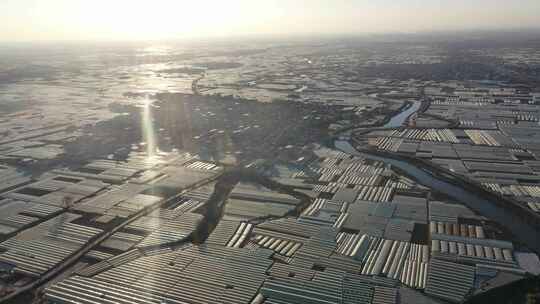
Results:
x,y
159,19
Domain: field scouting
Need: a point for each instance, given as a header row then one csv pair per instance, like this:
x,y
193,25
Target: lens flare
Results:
x,y
149,134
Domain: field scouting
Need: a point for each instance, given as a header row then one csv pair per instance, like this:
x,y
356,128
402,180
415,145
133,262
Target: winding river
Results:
x,y
397,120
525,232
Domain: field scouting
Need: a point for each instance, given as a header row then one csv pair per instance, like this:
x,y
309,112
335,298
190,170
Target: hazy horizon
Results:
x,y
100,20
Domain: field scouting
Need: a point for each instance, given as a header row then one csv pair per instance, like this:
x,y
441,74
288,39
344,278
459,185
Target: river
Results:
x,y
525,232
397,120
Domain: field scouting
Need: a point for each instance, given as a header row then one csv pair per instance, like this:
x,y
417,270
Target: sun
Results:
x,y
157,19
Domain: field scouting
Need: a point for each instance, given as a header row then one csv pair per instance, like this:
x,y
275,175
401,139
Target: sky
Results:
x,y
43,20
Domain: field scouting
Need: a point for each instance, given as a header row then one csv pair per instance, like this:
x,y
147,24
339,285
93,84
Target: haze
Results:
x,y
31,20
